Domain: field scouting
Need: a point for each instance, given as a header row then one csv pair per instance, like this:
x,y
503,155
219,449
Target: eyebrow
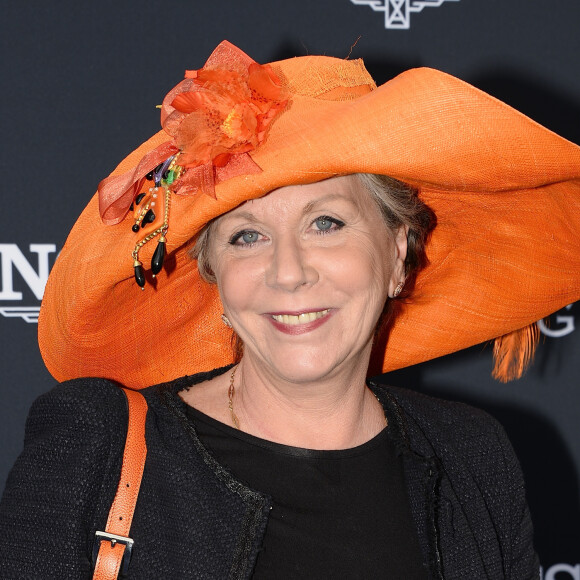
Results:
x,y
329,197
250,217
243,215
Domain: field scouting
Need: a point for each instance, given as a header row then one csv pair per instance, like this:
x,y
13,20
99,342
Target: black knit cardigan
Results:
x,y
195,520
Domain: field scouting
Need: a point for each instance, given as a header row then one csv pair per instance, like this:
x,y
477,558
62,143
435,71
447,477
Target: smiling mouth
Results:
x,y
295,320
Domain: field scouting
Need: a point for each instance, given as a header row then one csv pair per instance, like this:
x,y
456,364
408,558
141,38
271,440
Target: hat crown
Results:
x,y
324,77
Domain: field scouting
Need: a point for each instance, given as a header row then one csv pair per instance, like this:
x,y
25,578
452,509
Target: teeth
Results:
x,y
300,319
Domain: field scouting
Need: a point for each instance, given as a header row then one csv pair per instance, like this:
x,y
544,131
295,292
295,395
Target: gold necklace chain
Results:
x,y
231,393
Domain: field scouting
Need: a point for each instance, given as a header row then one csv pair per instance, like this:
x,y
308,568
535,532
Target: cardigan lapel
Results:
x,y
422,476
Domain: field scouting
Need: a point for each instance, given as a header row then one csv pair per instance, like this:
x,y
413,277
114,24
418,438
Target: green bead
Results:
x,y
170,177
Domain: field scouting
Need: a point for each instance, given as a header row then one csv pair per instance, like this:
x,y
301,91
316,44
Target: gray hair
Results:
x,y
400,205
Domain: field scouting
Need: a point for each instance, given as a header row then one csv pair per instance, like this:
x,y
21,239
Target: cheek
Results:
x,y
237,282
365,268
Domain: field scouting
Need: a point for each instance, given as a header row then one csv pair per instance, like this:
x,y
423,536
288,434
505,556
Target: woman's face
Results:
x,y
304,273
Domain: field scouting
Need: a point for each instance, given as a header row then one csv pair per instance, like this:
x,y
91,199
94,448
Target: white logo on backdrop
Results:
x,y
398,12
13,260
561,572
565,325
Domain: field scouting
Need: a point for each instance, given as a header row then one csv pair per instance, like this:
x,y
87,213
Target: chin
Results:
x,y
309,367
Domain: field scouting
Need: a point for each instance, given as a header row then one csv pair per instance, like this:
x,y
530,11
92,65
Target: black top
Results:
x,y
335,514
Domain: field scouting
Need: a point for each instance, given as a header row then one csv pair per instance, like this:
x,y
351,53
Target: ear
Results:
x,y
399,255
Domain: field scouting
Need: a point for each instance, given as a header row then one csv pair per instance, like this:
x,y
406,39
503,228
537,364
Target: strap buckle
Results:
x,y
114,539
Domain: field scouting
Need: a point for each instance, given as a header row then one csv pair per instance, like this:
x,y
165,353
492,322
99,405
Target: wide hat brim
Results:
x,y
504,252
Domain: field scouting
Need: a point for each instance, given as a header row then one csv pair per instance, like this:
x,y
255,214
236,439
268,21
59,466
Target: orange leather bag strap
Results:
x,y
112,548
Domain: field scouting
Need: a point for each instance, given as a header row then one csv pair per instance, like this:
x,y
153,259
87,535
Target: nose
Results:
x,y
290,267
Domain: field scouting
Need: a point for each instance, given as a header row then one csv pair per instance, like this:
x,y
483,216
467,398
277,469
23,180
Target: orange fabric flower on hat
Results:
x,y
219,112
226,113
214,118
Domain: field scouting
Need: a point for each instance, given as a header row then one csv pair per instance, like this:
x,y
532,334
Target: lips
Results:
x,y
299,322
302,318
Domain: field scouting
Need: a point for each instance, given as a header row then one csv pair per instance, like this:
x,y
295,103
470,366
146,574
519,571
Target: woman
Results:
x,y
285,463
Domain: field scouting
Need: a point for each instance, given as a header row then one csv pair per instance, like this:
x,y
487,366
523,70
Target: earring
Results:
x,y
226,321
398,289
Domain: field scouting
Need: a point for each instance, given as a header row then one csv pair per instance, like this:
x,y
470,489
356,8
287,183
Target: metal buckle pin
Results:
x,y
114,539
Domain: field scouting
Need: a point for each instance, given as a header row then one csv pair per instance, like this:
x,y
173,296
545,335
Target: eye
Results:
x,y
245,238
326,223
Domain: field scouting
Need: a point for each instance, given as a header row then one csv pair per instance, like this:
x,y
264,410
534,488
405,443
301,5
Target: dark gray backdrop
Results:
x,y
80,81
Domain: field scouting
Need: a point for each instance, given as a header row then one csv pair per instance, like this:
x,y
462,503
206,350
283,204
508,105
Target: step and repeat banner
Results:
x,y
80,82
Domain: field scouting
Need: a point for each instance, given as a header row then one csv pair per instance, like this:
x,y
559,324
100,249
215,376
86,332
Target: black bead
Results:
x,y
148,218
139,198
131,208
135,228
158,257
149,176
139,276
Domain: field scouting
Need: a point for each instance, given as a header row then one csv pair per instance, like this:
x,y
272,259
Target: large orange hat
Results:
x,y
505,190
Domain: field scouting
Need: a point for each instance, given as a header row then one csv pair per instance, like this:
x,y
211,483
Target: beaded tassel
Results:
x,y
163,176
